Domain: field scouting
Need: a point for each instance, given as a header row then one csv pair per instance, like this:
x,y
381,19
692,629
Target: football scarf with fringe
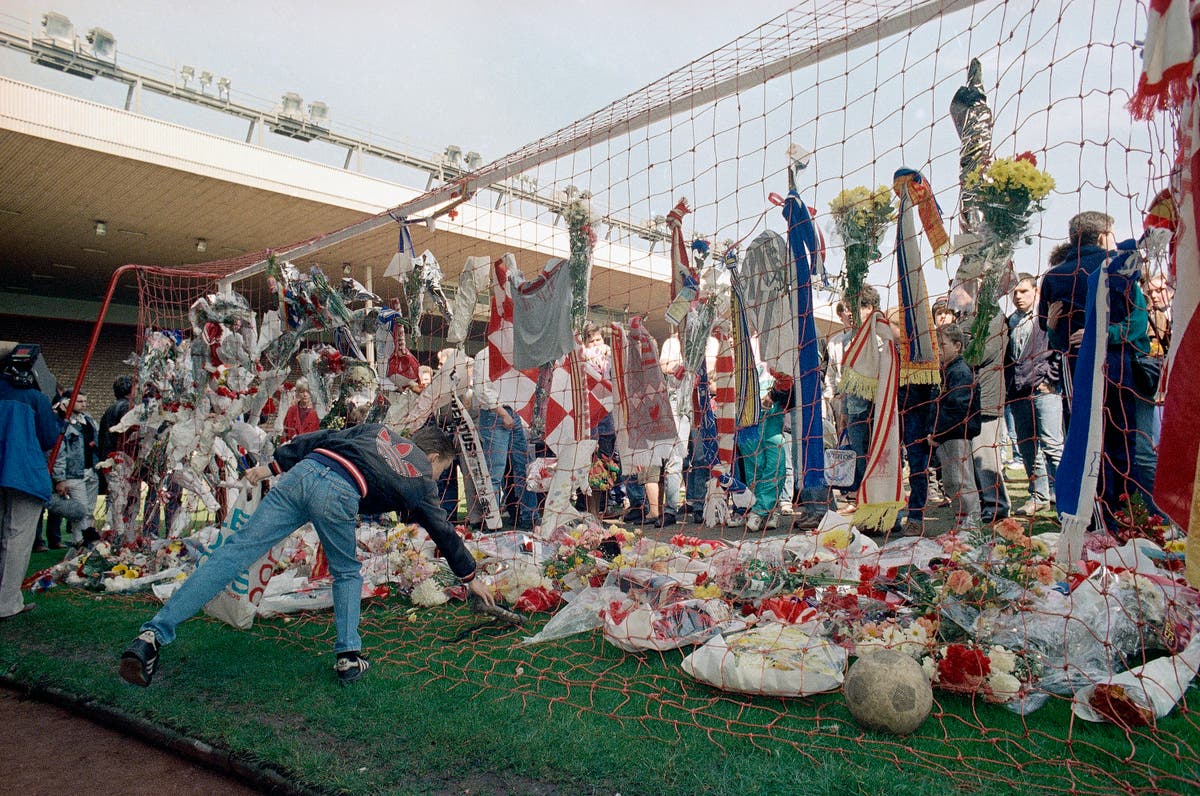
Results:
x,y
918,348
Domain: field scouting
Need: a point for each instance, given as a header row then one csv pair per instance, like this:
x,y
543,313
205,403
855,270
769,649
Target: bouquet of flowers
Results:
x,y
1021,559
995,673
1008,192
910,635
584,553
860,217
580,226
1135,521
773,658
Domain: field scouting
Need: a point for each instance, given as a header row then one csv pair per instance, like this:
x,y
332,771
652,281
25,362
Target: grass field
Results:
x,y
454,706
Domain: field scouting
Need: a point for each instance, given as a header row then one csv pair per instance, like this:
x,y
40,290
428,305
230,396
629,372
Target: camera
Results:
x,y
24,368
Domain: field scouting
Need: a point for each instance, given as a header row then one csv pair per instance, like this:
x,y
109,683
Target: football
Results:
x,y
887,690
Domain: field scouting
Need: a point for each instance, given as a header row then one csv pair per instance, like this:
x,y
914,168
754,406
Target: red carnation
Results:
x,y
538,600
1028,156
964,669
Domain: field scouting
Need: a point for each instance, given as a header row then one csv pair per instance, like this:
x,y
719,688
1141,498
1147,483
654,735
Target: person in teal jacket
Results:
x,y
762,457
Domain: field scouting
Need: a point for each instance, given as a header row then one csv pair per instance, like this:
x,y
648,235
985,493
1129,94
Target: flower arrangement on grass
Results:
x,y
909,635
1008,192
860,216
1135,520
1021,559
995,673
586,552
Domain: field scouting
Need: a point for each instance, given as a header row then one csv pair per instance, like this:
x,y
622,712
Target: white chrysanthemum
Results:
x,y
428,593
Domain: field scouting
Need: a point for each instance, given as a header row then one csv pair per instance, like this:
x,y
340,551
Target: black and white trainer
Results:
x,y
351,667
140,659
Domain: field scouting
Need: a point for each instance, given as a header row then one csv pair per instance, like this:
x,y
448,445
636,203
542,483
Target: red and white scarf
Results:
x,y
1166,59
516,388
880,496
646,432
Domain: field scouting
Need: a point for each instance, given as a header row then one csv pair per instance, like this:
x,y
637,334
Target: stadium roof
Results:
x,y
159,188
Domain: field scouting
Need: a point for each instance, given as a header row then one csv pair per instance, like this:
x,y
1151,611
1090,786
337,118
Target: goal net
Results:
x,y
736,300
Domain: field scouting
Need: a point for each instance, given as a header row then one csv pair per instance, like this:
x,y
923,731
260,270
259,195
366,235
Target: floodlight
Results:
x,y
101,229
58,28
223,85
474,160
454,156
206,79
186,73
103,45
318,114
292,106
201,245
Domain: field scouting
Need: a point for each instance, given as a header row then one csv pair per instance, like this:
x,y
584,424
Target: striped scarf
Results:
x,y
1080,464
725,393
918,348
1166,59
1177,483
808,438
880,495
860,362
745,370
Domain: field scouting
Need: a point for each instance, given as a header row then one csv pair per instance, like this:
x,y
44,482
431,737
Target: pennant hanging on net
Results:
x,y
745,370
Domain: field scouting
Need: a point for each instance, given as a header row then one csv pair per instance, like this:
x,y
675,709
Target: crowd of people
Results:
x,y
1012,405
960,432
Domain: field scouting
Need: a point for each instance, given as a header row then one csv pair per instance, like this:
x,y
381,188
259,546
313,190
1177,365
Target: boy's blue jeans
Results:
x,y
309,492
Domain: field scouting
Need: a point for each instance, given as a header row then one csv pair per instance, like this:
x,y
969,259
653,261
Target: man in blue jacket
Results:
x,y
328,478
28,430
1062,312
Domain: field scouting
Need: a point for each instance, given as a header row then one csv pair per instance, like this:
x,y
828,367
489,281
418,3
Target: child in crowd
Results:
x,y
957,421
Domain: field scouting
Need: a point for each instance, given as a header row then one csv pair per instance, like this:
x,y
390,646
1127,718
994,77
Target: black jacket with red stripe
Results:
x,y
392,474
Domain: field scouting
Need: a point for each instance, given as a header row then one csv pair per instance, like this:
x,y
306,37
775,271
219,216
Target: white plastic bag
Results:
x,y
774,659
238,603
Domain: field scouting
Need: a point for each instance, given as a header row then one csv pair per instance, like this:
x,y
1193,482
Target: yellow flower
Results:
x,y
709,591
1176,545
